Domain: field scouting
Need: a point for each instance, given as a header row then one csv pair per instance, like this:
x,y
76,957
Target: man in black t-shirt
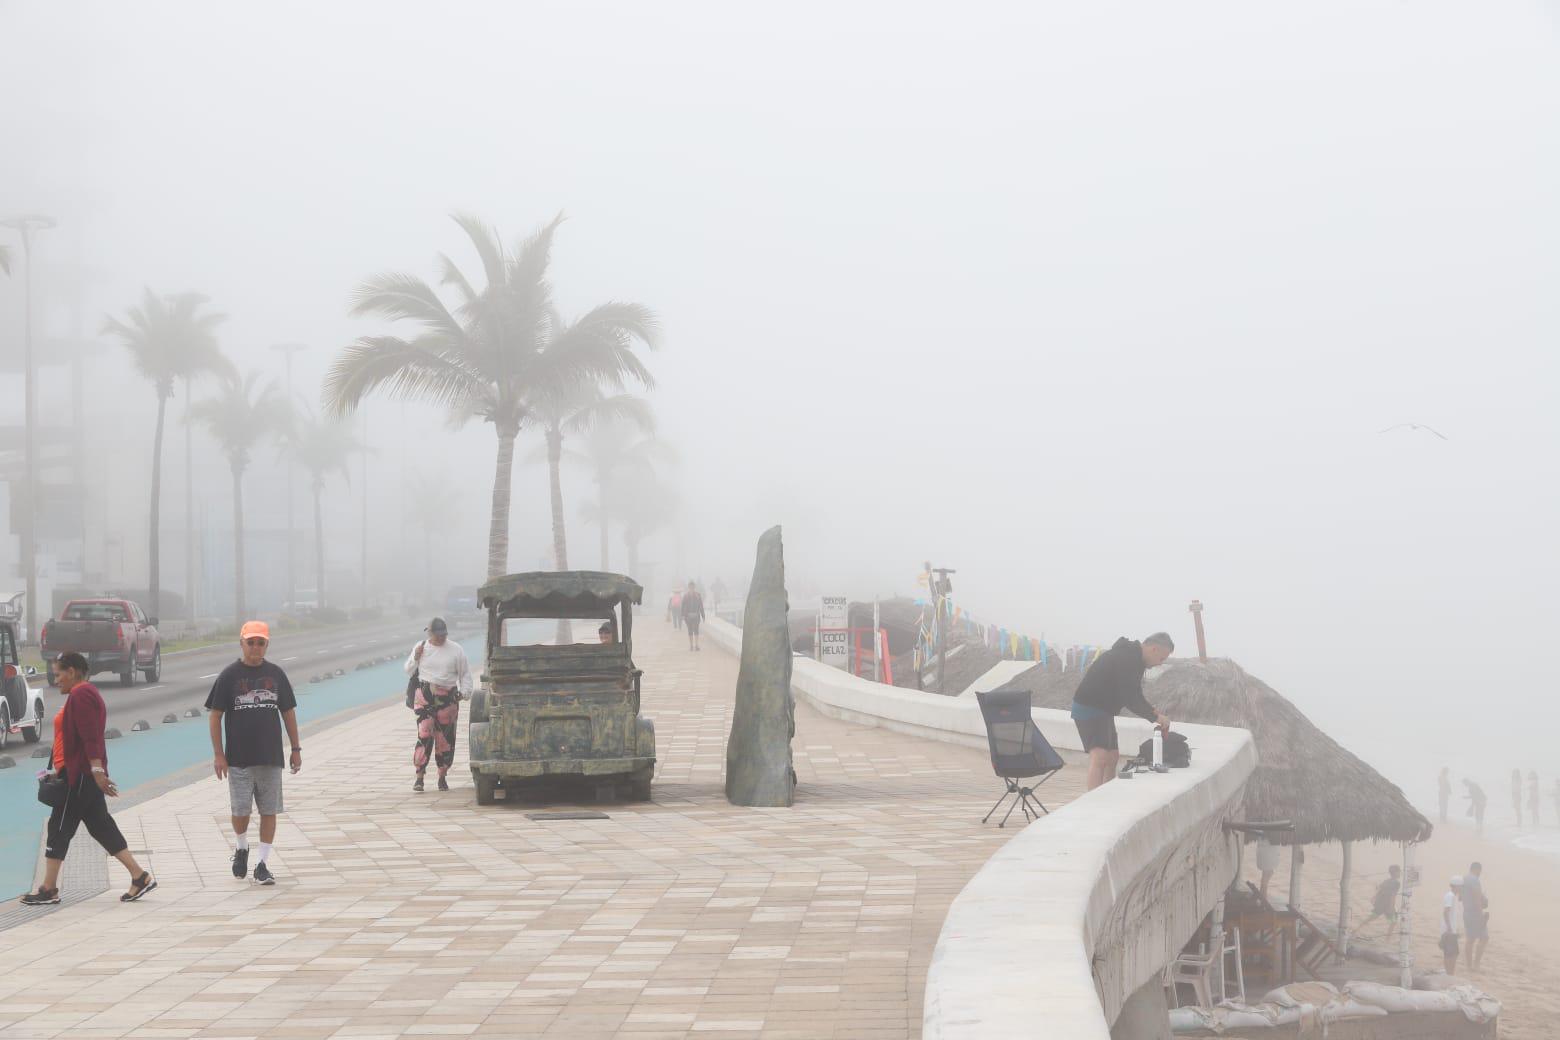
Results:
x,y
252,701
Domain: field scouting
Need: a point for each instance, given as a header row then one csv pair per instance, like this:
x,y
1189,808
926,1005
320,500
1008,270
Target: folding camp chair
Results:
x,y
1019,751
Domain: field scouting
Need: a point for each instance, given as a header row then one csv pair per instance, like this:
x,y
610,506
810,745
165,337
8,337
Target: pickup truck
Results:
x,y
112,634
21,703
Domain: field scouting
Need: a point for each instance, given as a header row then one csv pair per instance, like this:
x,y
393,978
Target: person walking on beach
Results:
x,y
1476,915
693,614
1445,784
444,677
250,704
1451,914
1385,902
1477,800
1516,794
1115,681
1533,798
81,760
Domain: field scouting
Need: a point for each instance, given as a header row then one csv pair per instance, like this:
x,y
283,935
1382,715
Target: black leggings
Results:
x,y
84,804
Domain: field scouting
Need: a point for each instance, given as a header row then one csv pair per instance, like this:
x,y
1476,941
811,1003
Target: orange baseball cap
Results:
x,y
255,628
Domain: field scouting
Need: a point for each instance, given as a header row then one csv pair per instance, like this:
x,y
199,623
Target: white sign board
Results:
x,y
834,632
834,648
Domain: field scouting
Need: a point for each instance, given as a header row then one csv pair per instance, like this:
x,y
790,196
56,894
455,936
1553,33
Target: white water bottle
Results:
x,y
1159,747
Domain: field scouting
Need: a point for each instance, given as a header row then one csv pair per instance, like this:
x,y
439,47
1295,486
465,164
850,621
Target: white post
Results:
x,y
1343,902
1296,858
1405,919
877,648
1216,934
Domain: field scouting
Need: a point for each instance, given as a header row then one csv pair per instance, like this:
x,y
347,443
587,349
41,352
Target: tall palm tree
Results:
x,y
239,417
169,338
497,352
580,411
5,259
324,447
646,505
611,454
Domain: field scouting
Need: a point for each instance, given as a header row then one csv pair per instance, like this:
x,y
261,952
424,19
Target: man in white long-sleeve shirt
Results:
x,y
444,677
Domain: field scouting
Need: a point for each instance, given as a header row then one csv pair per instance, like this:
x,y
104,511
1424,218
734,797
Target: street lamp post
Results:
x,y
287,351
26,225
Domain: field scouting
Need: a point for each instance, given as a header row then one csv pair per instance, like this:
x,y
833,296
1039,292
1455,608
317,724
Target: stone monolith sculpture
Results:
x,y
758,755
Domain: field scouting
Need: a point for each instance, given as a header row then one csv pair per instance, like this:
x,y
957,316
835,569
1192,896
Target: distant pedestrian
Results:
x,y
1533,799
1385,902
1476,915
1516,794
1477,801
693,614
1267,863
250,704
674,608
82,762
1451,916
1445,784
1113,682
444,678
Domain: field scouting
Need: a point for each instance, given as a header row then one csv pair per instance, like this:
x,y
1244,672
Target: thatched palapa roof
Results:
x,y
1302,774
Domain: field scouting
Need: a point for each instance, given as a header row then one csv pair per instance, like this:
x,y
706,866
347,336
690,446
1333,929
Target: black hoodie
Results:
x,y
1115,681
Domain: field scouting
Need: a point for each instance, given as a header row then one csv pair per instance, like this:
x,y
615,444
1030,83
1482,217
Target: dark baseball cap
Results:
x,y
437,627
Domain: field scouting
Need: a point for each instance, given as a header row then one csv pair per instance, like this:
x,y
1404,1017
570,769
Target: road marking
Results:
x,y
348,646
157,687
286,659
213,675
322,651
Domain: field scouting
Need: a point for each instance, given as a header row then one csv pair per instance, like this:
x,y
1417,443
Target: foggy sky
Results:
x,y
1102,305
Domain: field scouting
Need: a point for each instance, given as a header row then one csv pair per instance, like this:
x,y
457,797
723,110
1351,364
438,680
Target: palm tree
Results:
x,y
239,417
5,259
646,504
323,447
499,351
581,412
169,338
611,455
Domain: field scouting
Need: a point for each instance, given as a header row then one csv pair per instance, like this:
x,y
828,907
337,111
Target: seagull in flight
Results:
x,y
1415,426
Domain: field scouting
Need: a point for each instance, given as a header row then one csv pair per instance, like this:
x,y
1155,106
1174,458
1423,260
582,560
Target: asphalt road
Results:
x,y
187,675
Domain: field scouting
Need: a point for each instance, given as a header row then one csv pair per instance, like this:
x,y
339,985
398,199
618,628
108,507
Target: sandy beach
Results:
x,y
1519,968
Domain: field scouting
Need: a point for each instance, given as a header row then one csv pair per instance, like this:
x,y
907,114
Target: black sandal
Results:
x,y
142,885
42,897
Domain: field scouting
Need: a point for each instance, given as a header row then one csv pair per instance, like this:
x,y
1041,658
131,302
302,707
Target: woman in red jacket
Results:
x,y
86,773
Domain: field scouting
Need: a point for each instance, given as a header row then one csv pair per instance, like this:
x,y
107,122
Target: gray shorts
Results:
x,y
258,787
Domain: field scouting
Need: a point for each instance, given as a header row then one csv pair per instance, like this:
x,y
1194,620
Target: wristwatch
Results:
x,y
100,769
298,749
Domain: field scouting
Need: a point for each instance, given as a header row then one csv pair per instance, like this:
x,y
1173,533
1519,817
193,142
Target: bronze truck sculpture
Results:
x,y
551,710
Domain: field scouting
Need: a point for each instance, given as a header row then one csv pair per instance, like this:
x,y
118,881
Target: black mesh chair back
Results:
x,y
1019,751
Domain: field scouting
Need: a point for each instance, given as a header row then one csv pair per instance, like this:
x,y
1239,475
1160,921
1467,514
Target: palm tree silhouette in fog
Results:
x,y
239,417
613,456
498,354
324,447
169,338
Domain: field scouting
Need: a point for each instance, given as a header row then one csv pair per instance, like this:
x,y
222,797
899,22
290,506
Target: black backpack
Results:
x,y
1178,753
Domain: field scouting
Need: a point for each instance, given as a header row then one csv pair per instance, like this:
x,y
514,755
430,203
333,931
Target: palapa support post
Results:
x,y
1202,642
1343,902
1405,919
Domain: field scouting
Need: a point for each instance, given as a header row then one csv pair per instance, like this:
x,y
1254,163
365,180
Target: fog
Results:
x,y
1105,306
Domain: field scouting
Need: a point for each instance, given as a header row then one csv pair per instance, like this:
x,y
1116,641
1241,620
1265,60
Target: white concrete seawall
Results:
x,y
1071,917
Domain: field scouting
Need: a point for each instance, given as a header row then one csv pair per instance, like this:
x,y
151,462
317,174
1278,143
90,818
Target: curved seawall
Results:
x,y
1061,927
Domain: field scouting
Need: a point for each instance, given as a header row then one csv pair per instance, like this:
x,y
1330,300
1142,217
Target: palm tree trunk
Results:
x,y
555,482
601,514
239,608
498,525
319,548
154,536
633,555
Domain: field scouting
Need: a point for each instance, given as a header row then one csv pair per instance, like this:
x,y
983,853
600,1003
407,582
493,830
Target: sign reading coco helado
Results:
x,y
834,632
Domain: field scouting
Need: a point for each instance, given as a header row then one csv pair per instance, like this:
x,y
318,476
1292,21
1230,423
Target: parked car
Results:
x,y
113,634
21,703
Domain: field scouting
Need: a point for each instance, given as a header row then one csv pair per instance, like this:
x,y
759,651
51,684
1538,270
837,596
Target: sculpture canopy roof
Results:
x,y
589,592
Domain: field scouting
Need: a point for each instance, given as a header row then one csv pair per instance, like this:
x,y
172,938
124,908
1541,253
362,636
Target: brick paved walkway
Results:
x,y
420,915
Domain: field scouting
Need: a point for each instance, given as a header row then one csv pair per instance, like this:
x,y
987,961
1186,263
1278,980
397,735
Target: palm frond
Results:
x,y
624,410
397,296
407,370
489,249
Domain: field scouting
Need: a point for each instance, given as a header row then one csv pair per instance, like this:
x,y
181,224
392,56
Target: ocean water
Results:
x,y
138,758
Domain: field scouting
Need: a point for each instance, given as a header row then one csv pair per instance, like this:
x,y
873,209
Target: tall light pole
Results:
x,y
287,351
365,506
27,225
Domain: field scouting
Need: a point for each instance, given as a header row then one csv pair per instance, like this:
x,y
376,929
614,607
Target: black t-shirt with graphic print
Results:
x,y
252,701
